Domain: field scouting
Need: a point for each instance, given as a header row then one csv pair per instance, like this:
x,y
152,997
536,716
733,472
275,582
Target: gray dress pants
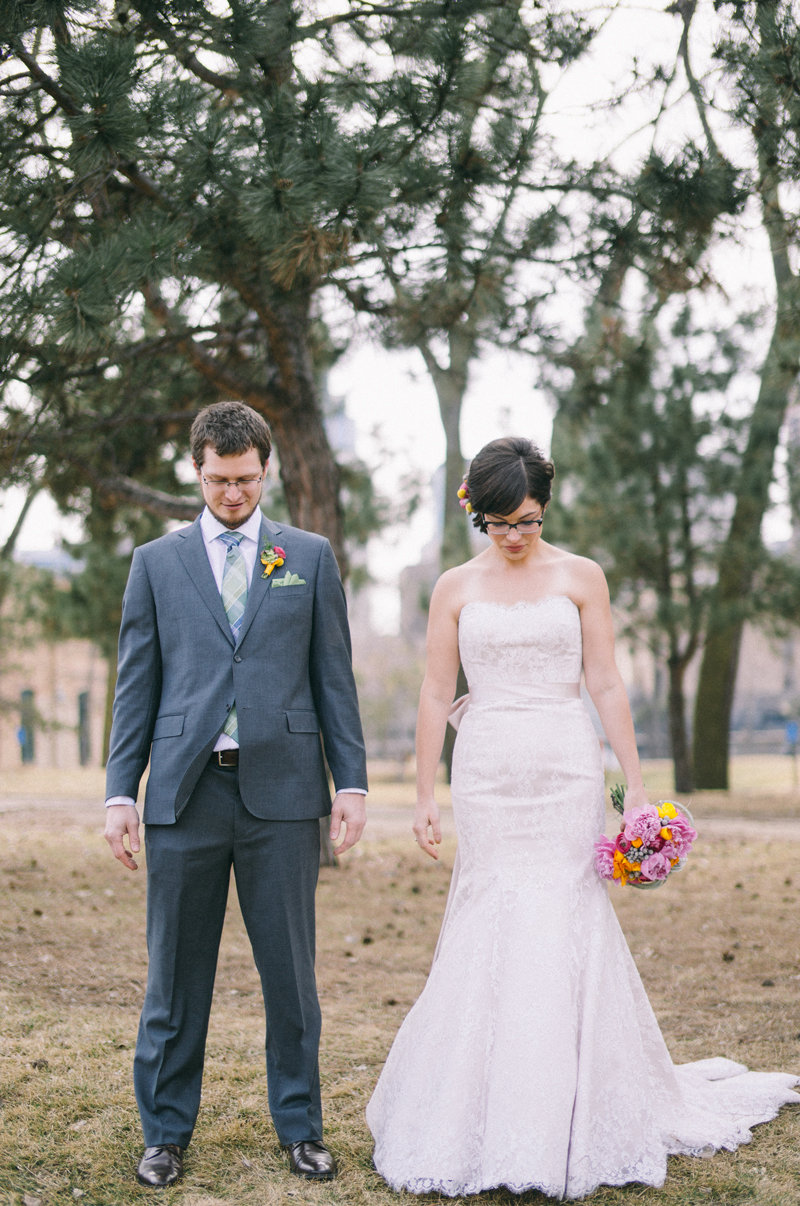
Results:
x,y
188,873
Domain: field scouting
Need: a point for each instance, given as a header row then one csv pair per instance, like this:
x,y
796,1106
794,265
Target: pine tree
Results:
x,y
760,50
451,271
178,185
676,211
647,488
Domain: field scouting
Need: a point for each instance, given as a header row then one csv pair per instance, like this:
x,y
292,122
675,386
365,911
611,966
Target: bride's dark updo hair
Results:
x,y
503,474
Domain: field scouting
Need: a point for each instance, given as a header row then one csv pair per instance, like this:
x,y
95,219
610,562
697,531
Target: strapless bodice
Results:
x,y
522,644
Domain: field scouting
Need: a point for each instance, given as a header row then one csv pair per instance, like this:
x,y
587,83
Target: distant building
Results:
x,y
57,692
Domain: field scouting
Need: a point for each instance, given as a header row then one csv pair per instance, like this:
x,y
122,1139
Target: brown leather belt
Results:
x,y
225,758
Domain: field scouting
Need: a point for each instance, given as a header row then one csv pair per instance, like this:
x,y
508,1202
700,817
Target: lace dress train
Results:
x,y
507,1070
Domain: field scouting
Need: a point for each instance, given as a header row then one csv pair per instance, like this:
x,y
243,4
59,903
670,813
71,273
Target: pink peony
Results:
x,y
656,866
683,836
644,823
604,858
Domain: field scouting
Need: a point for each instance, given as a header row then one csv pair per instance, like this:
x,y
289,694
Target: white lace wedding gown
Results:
x,y
532,1059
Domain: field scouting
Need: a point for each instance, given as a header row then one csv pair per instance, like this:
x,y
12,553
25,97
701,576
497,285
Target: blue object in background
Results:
x,y
25,732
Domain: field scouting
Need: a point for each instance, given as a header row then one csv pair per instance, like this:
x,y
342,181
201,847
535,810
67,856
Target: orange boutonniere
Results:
x,y
272,556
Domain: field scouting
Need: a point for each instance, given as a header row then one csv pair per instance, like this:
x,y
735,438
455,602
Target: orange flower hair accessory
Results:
x,y
463,497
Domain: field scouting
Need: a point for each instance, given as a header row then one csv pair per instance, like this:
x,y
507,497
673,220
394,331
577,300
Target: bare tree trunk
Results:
x,y
111,686
741,552
327,854
7,551
456,547
451,385
681,754
309,471
288,401
310,475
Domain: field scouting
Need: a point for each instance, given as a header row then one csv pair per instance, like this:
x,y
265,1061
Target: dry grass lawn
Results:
x,y
718,948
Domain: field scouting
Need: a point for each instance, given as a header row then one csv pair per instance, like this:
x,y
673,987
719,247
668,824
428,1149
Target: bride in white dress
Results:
x,y
533,1059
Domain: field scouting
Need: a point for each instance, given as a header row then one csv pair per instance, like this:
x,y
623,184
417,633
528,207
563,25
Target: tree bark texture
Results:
x,y
7,551
451,385
288,401
739,560
742,549
327,854
111,686
681,754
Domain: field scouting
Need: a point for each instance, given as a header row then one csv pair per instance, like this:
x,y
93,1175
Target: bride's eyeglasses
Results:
x,y
525,526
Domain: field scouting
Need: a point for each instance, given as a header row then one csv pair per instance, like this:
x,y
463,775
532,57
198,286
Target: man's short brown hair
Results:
x,y
229,428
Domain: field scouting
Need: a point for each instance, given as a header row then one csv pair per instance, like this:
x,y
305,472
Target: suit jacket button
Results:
x,y
236,657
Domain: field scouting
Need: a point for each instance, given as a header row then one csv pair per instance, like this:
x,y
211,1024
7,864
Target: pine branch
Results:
x,y
156,502
438,374
417,11
187,58
7,551
685,9
62,99
145,185
267,401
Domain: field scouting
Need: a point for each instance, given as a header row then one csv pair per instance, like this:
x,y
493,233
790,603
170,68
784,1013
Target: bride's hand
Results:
x,y
426,816
636,797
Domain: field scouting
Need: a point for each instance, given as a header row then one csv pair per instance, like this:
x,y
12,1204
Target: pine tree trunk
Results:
x,y
681,754
451,385
111,686
741,554
456,547
742,549
309,472
327,854
7,551
310,475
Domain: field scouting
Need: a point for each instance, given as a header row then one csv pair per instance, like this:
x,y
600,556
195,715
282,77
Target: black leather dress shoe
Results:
x,y
160,1166
311,1159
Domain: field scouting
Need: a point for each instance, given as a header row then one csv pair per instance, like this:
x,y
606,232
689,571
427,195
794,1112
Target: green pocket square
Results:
x,y
289,580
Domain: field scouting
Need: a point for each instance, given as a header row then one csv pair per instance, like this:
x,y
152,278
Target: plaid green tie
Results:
x,y
234,600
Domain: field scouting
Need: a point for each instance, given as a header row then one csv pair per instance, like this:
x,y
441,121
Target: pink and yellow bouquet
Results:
x,y
653,842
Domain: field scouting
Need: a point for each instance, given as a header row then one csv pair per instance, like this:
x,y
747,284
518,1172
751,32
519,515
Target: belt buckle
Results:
x,y
226,757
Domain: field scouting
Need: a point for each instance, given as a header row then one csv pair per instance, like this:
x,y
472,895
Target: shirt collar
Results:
x,y
211,527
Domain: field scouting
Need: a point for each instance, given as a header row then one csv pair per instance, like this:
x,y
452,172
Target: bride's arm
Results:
x,y
604,681
435,698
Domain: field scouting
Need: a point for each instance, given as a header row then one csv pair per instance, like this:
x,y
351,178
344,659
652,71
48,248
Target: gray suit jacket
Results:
x,y
290,675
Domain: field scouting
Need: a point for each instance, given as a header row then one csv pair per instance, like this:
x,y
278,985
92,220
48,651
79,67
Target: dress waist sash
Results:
x,y
510,693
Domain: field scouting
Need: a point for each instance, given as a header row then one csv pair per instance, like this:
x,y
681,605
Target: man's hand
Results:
x,y
351,808
122,819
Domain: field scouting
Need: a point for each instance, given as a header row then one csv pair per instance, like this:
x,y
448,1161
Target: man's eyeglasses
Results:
x,y
241,483
525,526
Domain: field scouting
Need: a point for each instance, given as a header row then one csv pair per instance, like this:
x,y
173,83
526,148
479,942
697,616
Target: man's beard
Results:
x,y
228,521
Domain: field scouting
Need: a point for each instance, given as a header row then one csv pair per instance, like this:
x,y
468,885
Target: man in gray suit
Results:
x,y
234,657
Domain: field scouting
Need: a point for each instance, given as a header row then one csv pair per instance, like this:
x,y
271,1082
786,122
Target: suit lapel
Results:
x,y
259,585
192,552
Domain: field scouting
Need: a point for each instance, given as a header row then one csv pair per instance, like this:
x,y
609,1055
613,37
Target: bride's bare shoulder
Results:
x,y
455,585
586,577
